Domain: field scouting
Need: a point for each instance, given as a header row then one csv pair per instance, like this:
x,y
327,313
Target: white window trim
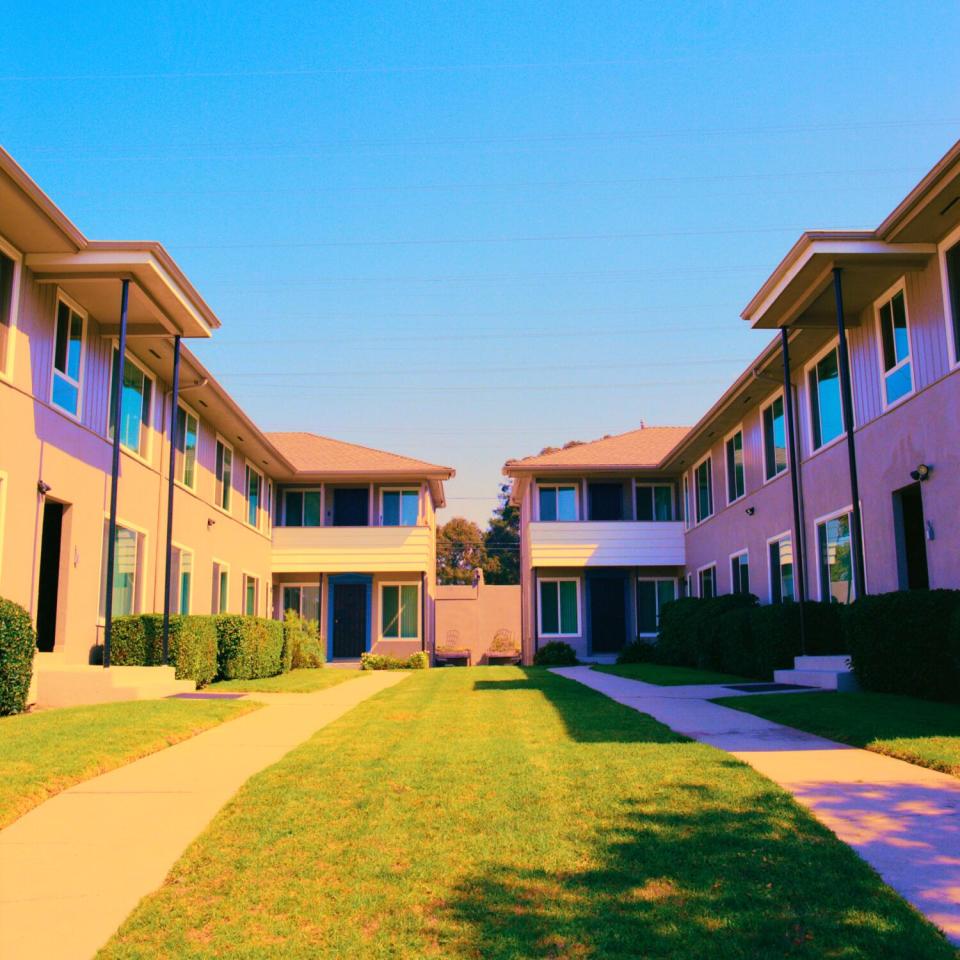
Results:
x,y
4,483
219,438
745,552
769,402
6,362
696,492
147,456
743,451
899,287
848,511
220,566
143,555
54,373
834,344
555,485
653,484
558,636
716,585
248,465
181,465
300,585
193,557
656,596
399,583
779,538
953,348
246,575
283,507
412,488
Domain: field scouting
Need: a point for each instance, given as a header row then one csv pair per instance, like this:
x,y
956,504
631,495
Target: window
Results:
x,y
301,508
3,513
399,508
251,598
654,502
951,271
774,439
187,431
136,400
9,283
254,490
224,474
895,348
703,483
826,410
560,608
707,581
686,502
67,359
400,611
736,484
127,570
302,599
781,570
181,579
651,596
558,503
836,569
740,573
268,511
221,587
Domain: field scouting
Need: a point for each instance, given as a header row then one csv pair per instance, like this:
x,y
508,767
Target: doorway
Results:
x,y
351,507
607,596
911,535
48,586
348,612
605,501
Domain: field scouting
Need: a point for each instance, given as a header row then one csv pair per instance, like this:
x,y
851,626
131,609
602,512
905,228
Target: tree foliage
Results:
x,y
460,551
502,541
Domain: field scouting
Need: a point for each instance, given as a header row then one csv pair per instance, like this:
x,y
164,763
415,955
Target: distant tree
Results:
x,y
460,551
502,541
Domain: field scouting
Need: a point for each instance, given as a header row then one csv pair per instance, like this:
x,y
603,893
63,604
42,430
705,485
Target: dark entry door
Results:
x,y
606,501
349,619
350,507
48,587
912,538
608,613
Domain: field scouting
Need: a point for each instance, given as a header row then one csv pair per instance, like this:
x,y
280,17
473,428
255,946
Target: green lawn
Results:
x,y
502,813
918,731
296,681
665,676
44,753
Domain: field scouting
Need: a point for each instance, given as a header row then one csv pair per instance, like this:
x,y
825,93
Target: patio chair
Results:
x,y
451,652
504,648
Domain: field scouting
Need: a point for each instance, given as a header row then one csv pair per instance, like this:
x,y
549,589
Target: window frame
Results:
x,y
653,485
4,483
218,486
696,491
887,297
700,572
770,401
6,361
249,577
687,511
399,584
147,426
283,505
656,595
300,585
947,244
181,459
248,469
817,523
177,608
143,560
778,539
737,555
808,371
75,307
558,636
573,485
726,462
220,567
400,489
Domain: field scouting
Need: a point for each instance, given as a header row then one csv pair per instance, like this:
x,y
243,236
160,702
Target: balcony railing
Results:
x,y
593,543
351,549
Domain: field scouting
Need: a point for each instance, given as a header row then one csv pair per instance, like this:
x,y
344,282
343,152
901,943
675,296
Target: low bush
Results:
x,y
907,642
17,645
301,643
138,641
638,651
248,647
556,653
381,661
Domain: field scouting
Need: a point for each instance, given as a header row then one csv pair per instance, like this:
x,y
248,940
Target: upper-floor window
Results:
x,y
736,480
224,470
135,405
951,263
605,501
351,506
836,568
687,514
254,486
781,569
9,279
703,486
558,502
301,508
399,508
68,358
826,410
707,581
895,347
774,439
188,432
654,501
740,572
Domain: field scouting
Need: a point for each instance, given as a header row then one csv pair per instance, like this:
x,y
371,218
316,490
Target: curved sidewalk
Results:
x,y
904,820
72,869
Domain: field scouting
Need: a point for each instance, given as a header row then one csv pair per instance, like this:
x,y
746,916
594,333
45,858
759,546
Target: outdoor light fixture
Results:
x,y
750,511
210,521
921,473
43,488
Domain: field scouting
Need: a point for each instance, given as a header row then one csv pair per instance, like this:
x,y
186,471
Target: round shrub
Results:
x,y
638,651
17,645
556,653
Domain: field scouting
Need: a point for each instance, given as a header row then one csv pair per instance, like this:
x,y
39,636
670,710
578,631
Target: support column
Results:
x,y
536,611
174,418
846,395
117,405
800,577
423,610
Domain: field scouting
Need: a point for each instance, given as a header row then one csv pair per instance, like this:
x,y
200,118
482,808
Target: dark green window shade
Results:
x,y
390,614
311,508
548,503
953,282
549,607
568,607
294,508
408,614
647,606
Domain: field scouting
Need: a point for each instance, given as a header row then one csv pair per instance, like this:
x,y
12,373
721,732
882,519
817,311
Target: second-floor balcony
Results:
x,y
606,543
352,549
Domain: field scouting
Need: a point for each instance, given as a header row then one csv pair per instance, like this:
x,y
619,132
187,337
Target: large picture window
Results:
x,y
400,508
559,608
127,567
67,359
136,405
836,569
651,596
654,502
400,611
188,430
774,439
558,503
703,484
826,410
736,482
895,348
781,570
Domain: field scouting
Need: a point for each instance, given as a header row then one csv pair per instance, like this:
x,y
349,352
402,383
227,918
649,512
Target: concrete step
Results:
x,y
840,662
67,685
840,680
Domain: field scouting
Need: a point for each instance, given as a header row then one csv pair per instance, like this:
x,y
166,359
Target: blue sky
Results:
x,y
467,231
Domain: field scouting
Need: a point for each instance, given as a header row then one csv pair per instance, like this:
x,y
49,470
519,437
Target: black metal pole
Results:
x,y
168,569
794,455
115,471
846,395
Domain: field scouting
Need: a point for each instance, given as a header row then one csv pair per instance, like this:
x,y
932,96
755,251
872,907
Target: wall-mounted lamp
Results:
x,y
43,488
210,522
750,511
921,473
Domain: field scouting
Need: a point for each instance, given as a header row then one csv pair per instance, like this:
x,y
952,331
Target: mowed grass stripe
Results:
x,y
507,813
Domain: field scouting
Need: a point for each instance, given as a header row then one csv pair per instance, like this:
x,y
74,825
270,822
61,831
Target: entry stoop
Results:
x,y
60,683
825,673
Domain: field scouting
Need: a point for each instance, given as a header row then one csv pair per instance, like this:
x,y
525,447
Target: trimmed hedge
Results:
x,y
248,647
638,651
18,641
138,641
907,642
556,653
379,661
301,643
690,635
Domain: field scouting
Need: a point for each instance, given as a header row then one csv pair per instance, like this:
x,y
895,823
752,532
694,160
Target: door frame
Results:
x,y
608,573
59,617
345,578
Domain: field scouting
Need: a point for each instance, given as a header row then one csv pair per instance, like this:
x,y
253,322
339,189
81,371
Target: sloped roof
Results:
x,y
646,447
310,453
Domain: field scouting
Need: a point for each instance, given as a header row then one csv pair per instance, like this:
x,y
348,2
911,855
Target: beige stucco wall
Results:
x,y
474,614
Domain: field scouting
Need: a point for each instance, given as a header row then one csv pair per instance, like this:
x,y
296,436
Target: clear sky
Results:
x,y
464,231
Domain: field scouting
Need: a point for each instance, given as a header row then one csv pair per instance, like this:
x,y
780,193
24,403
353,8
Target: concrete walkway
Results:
x,y
74,868
904,820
